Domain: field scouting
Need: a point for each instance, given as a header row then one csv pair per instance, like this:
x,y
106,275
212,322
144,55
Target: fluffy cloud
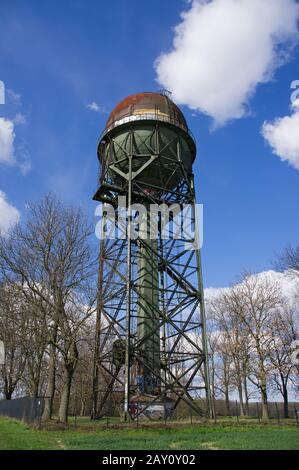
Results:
x,y
7,137
283,136
7,145
223,49
288,284
8,148
9,215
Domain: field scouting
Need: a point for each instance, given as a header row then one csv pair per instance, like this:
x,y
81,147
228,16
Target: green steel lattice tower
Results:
x,y
150,345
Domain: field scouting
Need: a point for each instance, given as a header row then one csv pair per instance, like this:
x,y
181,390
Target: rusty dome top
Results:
x,y
146,105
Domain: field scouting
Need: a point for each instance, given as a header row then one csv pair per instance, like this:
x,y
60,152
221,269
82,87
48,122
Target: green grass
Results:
x,y
15,435
93,436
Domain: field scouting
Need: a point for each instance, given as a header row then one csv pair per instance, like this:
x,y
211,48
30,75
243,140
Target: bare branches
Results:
x,y
257,328
50,262
288,260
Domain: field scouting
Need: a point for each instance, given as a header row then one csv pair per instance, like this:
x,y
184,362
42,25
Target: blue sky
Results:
x,y
59,56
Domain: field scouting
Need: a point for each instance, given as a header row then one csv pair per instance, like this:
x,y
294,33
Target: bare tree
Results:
x,y
289,260
223,371
70,334
283,331
36,365
213,338
253,300
234,344
14,334
82,381
51,259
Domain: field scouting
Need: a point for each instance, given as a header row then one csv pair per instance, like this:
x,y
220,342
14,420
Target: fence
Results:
x,y
27,409
254,409
222,411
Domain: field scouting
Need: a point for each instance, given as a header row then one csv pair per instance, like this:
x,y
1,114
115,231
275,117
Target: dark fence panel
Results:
x,y
254,409
27,409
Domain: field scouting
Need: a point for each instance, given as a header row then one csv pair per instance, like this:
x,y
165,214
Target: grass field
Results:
x,y
15,435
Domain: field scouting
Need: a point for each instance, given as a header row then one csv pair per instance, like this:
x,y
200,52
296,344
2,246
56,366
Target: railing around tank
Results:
x,y
147,116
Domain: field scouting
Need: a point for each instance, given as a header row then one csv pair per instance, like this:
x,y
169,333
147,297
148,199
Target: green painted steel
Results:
x,y
171,152
146,153
151,138
148,321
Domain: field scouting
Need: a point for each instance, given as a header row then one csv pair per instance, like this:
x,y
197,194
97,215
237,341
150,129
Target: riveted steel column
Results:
x,y
97,359
202,309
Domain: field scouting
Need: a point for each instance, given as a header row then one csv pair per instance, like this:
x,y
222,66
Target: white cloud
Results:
x,y
289,285
25,166
283,136
16,97
7,145
7,137
10,153
93,106
213,292
9,215
20,119
2,92
223,49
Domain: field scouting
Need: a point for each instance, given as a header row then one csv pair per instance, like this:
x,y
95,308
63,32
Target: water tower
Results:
x,y
151,346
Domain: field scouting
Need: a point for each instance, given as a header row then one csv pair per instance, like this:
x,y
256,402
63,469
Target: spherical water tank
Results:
x,y
144,125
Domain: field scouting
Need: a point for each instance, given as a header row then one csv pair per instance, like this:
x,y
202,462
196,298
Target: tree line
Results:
x,y
252,327
47,301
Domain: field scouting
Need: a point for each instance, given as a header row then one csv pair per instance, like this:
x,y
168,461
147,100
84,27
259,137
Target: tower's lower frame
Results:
x,y
182,325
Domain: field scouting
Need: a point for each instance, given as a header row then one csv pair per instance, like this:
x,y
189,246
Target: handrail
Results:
x,y
143,117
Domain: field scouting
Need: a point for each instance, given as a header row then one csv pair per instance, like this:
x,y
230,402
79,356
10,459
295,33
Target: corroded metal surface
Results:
x,y
154,130
146,104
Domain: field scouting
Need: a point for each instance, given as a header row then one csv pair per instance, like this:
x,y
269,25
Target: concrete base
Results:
x,y
159,410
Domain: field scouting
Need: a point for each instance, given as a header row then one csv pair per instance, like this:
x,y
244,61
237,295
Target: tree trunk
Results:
x,y
263,383
65,394
246,396
227,404
50,390
214,411
226,386
265,411
69,369
8,395
239,386
36,390
285,401
240,392
33,386
82,409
